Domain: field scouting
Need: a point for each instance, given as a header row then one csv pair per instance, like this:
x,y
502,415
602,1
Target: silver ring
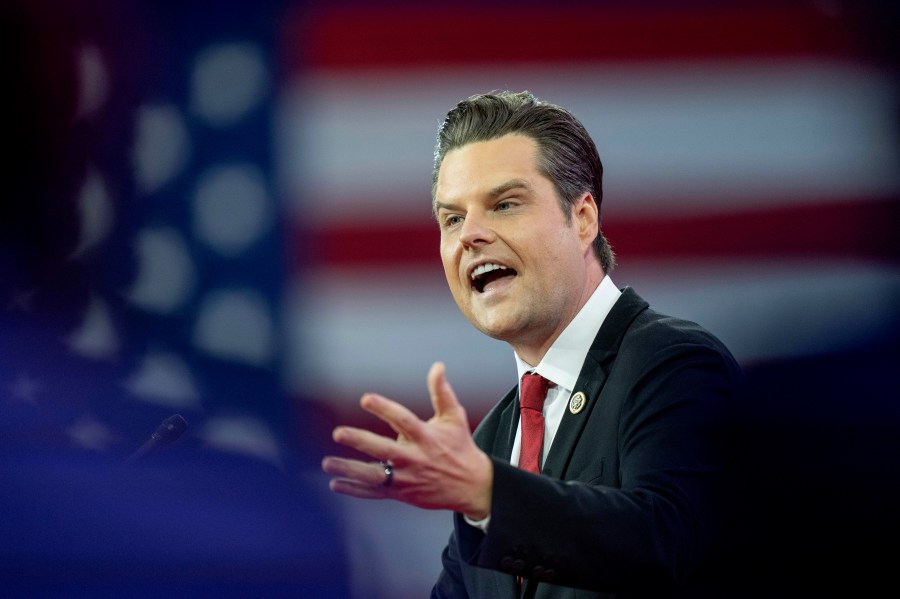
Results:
x,y
388,473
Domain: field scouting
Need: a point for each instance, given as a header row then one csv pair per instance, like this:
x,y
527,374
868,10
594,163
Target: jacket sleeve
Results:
x,y
450,583
459,578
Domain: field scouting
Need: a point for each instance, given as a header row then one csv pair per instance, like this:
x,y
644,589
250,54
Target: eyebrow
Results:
x,y
509,185
493,192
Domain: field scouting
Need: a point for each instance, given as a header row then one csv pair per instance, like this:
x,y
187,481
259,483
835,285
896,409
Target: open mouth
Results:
x,y
486,274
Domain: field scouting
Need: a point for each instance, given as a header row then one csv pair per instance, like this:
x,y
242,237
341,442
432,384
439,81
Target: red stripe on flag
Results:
x,y
858,229
370,37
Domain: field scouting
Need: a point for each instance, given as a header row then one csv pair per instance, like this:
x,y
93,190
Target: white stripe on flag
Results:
x,y
354,332
719,133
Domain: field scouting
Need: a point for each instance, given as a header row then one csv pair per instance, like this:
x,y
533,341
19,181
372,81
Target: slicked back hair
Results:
x,y
567,155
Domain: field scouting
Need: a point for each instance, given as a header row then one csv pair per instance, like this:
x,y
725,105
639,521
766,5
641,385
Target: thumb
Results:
x,y
443,398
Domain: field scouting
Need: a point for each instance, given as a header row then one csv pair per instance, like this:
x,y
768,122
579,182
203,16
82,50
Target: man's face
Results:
x,y
517,270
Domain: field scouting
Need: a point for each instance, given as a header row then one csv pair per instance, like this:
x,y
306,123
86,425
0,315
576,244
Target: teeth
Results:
x,y
486,268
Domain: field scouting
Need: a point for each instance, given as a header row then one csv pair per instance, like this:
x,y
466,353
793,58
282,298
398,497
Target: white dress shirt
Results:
x,y
561,365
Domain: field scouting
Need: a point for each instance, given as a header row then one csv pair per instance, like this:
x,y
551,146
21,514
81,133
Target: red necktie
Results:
x,y
531,404
531,399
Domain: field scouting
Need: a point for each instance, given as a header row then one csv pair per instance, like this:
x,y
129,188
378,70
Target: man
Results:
x,y
626,498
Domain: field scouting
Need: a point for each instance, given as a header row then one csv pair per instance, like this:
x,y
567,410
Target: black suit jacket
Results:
x,y
627,501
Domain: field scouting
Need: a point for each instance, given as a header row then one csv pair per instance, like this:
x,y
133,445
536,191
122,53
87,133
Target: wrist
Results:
x,y
482,495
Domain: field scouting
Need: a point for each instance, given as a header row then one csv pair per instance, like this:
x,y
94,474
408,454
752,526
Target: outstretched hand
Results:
x,y
436,464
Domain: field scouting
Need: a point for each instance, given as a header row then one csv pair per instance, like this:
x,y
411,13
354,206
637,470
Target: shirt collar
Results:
x,y
562,363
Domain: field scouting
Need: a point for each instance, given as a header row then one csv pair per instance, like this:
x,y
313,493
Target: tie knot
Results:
x,y
534,391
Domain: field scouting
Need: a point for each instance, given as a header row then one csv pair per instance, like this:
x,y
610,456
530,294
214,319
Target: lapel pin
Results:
x,y
577,402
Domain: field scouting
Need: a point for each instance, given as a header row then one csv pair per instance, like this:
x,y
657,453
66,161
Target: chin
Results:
x,y
492,328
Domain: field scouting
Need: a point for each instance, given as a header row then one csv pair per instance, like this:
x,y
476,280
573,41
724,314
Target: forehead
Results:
x,y
480,166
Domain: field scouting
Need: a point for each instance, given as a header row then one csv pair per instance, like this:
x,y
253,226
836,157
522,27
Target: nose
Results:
x,y
475,231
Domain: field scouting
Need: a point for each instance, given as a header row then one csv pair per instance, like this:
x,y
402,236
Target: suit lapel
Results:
x,y
508,420
591,379
492,433
498,430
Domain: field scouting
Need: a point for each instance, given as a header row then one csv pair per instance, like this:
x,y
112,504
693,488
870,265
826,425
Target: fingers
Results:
x,y
409,429
400,418
356,489
405,423
366,480
431,461
354,472
443,398
367,442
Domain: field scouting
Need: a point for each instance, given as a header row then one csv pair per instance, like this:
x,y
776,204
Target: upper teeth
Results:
x,y
486,268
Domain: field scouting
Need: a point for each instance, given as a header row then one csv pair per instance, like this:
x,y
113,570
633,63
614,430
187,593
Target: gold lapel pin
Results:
x,y
577,402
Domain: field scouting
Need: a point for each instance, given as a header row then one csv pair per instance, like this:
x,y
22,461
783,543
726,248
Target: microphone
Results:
x,y
168,432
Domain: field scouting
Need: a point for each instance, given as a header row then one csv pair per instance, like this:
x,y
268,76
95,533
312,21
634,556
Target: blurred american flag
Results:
x,y
141,276
751,171
143,263
222,210
751,185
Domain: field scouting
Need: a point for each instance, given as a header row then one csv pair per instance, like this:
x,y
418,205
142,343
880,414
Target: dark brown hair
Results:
x,y
567,154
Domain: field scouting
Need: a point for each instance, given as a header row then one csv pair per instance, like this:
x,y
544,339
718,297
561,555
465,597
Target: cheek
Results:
x,y
451,266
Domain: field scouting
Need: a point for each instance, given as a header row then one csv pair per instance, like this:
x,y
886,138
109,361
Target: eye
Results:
x,y
452,220
504,206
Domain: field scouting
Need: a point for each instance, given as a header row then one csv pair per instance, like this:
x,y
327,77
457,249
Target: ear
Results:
x,y
586,218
